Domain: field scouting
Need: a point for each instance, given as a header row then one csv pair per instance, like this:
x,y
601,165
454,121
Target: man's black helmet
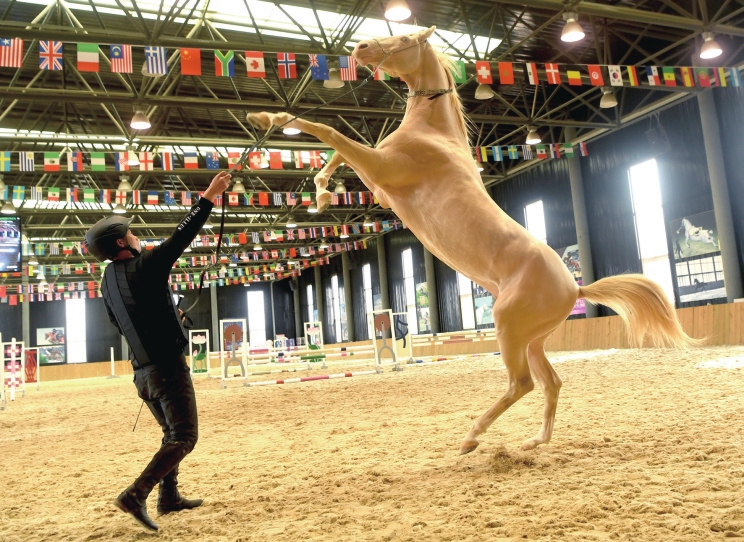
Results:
x,y
101,238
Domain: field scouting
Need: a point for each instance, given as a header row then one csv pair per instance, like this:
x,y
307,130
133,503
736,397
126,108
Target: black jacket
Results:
x,y
139,300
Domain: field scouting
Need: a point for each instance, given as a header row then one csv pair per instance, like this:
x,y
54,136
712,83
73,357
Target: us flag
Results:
x,y
185,198
121,58
11,52
347,65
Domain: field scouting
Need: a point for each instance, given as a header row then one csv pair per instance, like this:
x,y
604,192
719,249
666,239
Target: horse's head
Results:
x,y
399,55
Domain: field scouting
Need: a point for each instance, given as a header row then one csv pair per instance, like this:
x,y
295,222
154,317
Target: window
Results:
x,y
310,304
649,221
466,301
339,317
410,289
367,285
256,318
75,333
534,219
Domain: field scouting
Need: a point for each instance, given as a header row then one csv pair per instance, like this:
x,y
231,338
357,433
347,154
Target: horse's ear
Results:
x,y
424,34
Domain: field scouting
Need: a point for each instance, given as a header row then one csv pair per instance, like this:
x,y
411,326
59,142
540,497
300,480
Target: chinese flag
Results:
x,y
191,62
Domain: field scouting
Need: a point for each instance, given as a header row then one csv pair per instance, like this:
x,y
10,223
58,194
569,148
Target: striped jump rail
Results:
x,y
308,378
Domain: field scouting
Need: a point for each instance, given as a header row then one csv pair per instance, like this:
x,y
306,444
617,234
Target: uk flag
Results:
x,y
50,55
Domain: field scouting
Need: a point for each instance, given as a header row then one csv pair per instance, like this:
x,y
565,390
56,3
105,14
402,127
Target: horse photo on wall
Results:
x,y
694,235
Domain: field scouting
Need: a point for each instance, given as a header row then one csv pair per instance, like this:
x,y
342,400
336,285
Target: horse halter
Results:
x,y
432,93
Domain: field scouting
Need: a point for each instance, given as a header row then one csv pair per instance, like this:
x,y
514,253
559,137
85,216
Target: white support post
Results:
x,y
113,366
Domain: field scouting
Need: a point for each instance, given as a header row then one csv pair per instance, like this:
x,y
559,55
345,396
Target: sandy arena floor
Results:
x,y
647,446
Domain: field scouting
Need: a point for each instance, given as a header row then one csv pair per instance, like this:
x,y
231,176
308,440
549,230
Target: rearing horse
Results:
x,y
425,172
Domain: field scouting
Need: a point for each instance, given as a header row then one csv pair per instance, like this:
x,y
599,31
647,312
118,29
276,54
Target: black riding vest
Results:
x,y
139,300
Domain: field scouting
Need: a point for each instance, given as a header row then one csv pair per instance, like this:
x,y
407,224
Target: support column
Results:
x,y
719,189
319,299
347,296
581,220
25,316
382,272
431,287
216,336
297,310
273,314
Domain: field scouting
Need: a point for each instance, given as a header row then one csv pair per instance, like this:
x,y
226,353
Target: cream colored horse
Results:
x,y
425,172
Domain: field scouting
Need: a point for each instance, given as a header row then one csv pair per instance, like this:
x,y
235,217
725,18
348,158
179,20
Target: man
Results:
x,y
140,304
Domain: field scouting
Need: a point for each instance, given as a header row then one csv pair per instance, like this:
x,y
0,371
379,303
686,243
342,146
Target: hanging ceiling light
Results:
x,y
208,225
710,48
33,261
124,185
312,208
397,10
323,244
340,187
334,79
290,131
257,246
572,31
8,208
533,138
368,220
132,159
290,222
140,121
2,183
119,209
238,187
608,99
344,232
187,249
484,92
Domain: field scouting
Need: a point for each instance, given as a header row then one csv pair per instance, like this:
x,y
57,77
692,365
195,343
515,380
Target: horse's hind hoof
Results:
x,y
468,446
259,120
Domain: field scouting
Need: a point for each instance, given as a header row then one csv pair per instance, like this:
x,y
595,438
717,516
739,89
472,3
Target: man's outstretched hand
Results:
x,y
219,184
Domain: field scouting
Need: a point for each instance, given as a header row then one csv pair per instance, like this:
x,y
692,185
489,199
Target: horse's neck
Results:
x,y
437,111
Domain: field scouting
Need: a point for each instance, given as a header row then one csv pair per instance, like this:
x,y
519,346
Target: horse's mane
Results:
x,y
464,122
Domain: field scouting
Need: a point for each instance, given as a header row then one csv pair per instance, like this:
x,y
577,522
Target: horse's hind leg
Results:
x,y
514,356
551,386
322,195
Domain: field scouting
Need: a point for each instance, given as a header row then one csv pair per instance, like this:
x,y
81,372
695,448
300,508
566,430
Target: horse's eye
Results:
x,y
405,40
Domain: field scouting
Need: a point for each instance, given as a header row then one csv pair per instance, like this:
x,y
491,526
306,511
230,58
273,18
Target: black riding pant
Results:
x,y
169,394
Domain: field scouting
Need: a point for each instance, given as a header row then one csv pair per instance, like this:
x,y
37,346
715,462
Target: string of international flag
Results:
x,y
51,55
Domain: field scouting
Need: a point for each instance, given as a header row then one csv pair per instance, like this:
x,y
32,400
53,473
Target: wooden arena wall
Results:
x,y
721,324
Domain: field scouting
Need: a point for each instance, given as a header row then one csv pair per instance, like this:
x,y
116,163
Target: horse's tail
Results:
x,y
644,308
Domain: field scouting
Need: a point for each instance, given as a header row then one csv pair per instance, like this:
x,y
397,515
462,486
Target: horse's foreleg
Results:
x,y
551,386
514,355
355,154
322,194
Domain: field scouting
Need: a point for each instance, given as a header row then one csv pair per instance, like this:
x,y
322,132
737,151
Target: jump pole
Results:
x,y
113,366
309,378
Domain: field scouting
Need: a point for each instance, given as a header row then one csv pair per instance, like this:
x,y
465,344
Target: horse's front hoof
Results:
x,y
468,446
323,202
259,120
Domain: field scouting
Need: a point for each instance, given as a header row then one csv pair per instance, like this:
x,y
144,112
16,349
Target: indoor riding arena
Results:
x,y
376,271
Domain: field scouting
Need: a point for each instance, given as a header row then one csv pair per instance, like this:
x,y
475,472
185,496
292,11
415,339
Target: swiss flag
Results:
x,y
254,160
483,70
595,75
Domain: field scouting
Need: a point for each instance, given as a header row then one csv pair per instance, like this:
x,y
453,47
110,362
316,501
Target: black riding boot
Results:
x,y
169,500
136,505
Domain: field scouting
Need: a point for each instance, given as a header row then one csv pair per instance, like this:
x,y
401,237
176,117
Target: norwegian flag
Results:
x,y
50,55
315,161
287,65
347,68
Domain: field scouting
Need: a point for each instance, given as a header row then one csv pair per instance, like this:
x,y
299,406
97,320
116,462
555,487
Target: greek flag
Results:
x,y
277,199
156,61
